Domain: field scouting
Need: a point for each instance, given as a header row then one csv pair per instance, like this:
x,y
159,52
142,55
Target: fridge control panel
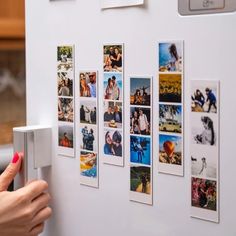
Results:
x,y
206,4
197,7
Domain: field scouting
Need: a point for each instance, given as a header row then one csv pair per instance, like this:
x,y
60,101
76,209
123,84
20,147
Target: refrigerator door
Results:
x,y
209,53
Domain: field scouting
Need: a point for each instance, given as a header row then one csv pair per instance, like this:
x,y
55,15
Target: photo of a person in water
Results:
x,y
170,56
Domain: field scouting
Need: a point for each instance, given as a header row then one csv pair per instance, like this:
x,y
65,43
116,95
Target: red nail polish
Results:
x,y
15,158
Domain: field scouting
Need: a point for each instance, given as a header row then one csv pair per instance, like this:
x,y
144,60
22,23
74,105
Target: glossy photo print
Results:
x,y
140,120
113,58
140,150
204,96
140,91
140,179
113,143
170,57
170,149
65,58
112,86
204,130
65,136
112,114
170,88
204,162
170,118
88,111
88,164
65,109
65,84
88,84
204,193
88,138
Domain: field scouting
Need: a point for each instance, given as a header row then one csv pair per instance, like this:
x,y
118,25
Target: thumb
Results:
x,y
10,172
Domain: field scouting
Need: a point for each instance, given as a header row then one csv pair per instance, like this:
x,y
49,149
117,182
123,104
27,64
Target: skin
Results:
x,y
24,211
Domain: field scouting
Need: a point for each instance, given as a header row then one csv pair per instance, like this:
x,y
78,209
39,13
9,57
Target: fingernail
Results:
x,y
15,158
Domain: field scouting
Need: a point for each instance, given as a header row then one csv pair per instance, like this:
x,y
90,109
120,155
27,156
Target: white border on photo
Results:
x,y
64,151
170,169
205,214
141,197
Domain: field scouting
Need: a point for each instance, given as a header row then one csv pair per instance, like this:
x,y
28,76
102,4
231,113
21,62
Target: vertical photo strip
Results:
x,y
65,100
113,104
141,140
87,130
204,149
171,87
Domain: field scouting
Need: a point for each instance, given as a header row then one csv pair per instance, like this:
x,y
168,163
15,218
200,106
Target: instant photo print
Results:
x,y
141,184
88,169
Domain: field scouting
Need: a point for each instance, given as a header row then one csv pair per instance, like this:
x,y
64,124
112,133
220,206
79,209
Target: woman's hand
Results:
x,y
22,212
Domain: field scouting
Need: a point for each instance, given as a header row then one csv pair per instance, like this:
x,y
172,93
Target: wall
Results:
x,y
209,54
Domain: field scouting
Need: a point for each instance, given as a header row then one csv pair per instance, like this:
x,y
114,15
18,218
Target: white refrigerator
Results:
x,y
209,54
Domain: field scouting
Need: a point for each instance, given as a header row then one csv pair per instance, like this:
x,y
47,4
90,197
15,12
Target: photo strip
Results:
x,y
171,130
113,100
204,149
87,130
65,92
141,140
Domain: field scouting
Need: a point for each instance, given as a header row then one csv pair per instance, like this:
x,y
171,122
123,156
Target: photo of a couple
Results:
x,y
112,58
113,143
204,99
112,86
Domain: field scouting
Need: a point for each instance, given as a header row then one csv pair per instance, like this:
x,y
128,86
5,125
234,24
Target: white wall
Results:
x,y
209,54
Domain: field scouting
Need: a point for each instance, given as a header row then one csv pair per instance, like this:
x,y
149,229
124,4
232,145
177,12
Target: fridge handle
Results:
x,y
36,144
